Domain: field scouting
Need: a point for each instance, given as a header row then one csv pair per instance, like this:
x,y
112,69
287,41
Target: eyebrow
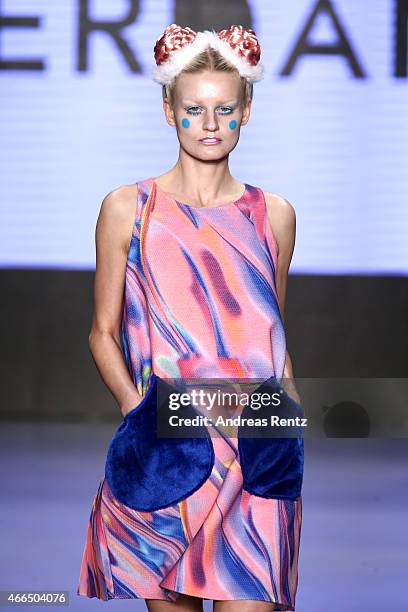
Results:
x,y
229,102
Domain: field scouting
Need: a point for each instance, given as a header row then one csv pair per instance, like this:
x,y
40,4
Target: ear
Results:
x,y
247,112
169,113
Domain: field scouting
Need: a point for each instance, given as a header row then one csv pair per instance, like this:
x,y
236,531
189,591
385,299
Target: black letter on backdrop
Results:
x,y
400,64
342,47
20,22
212,14
113,28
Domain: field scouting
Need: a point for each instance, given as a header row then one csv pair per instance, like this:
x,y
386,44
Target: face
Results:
x,y
208,105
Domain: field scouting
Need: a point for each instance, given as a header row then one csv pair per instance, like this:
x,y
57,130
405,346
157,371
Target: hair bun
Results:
x,y
174,37
243,41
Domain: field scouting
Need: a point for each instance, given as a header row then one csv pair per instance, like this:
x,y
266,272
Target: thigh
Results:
x,y
184,603
243,605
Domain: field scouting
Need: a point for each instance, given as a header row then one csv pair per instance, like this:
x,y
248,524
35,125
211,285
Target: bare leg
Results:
x,y
244,605
184,603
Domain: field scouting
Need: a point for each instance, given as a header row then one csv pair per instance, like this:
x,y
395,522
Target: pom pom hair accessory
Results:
x,y
177,47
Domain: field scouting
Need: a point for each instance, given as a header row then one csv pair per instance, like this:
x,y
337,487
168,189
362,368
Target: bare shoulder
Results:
x,y
116,215
282,218
119,204
280,210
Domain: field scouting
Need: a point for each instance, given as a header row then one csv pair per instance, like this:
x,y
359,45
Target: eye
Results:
x,y
192,110
196,110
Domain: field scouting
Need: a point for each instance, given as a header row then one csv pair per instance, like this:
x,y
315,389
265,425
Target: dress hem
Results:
x,y
282,607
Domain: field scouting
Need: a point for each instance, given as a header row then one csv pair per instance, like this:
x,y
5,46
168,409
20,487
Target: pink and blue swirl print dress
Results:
x,y
211,310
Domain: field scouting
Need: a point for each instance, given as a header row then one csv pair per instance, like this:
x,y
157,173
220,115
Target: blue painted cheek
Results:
x,y
233,124
185,123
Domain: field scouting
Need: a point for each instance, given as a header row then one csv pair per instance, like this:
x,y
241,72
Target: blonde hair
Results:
x,y
209,59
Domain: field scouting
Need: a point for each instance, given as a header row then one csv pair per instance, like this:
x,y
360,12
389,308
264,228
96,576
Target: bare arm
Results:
x,y
282,218
113,234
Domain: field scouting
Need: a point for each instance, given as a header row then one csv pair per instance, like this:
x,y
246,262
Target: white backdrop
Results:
x,y
333,144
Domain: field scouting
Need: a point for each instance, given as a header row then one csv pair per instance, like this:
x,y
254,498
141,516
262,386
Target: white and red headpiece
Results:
x,y
177,46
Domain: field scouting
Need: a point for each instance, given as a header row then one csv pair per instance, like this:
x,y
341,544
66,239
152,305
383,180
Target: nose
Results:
x,y
210,122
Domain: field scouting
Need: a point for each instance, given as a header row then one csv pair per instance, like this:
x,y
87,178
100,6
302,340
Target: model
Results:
x,y
190,281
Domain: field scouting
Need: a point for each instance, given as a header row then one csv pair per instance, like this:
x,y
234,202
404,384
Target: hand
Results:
x,y
130,405
289,387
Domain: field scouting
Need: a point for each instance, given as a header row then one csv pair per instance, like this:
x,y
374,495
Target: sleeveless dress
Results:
x,y
210,310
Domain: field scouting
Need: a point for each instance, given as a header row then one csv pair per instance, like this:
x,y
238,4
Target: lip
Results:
x,y
210,140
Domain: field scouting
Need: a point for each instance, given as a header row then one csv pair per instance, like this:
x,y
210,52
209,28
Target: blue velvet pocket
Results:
x,y
147,472
272,467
